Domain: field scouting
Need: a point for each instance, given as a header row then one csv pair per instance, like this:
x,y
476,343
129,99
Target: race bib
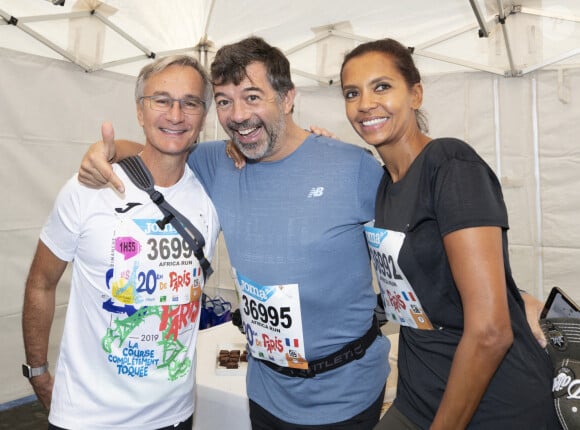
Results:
x,y
272,322
402,304
153,266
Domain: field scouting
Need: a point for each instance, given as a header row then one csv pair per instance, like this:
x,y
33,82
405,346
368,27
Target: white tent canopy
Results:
x,y
500,74
500,36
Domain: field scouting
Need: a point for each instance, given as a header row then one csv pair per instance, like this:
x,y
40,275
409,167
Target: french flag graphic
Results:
x,y
408,296
292,342
195,272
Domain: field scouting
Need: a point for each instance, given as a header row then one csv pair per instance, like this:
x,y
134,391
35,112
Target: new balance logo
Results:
x,y
316,192
126,208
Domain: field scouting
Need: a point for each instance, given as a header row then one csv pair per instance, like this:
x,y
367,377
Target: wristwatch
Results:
x,y
30,372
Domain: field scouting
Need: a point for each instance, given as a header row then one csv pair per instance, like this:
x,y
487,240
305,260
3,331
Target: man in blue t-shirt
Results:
x,y
293,223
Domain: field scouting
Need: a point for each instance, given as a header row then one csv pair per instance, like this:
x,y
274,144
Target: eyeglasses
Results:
x,y
188,105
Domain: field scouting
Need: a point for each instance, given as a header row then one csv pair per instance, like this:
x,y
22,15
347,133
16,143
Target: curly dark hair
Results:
x,y
231,61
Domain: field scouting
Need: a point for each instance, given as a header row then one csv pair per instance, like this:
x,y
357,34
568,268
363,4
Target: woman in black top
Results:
x,y
441,217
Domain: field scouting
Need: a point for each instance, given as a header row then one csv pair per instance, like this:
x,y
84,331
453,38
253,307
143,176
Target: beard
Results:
x,y
268,142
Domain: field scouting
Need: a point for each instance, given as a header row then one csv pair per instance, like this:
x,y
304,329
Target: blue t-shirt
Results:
x,y
300,221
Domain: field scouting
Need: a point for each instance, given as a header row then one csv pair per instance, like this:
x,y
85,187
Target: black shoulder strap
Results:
x,y
141,177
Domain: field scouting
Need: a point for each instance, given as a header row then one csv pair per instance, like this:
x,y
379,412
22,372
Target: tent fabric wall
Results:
x,y
559,137
526,128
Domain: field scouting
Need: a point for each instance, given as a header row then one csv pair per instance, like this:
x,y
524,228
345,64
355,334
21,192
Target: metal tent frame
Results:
x,y
205,47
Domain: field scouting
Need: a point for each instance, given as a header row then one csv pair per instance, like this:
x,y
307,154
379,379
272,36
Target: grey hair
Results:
x,y
163,63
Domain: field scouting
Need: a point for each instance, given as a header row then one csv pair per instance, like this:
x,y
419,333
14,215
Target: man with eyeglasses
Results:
x,y
293,223
127,352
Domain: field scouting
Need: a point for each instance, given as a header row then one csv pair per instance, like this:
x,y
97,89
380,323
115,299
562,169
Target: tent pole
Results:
x,y
445,37
19,23
204,39
539,287
123,34
314,77
497,126
208,18
552,60
549,14
450,60
501,19
483,31
57,16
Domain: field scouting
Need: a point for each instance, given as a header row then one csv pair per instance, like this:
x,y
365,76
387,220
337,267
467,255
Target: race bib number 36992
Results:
x,y
402,304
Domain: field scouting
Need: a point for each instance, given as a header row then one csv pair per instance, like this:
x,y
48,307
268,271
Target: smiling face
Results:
x,y
379,104
253,114
171,132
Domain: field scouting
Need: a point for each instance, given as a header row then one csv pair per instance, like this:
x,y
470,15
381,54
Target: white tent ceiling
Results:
x,y
121,35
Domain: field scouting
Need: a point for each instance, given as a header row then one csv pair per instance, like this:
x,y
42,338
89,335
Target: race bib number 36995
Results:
x,y
272,322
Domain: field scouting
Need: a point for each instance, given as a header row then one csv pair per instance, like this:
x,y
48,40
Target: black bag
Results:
x,y
141,177
563,336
